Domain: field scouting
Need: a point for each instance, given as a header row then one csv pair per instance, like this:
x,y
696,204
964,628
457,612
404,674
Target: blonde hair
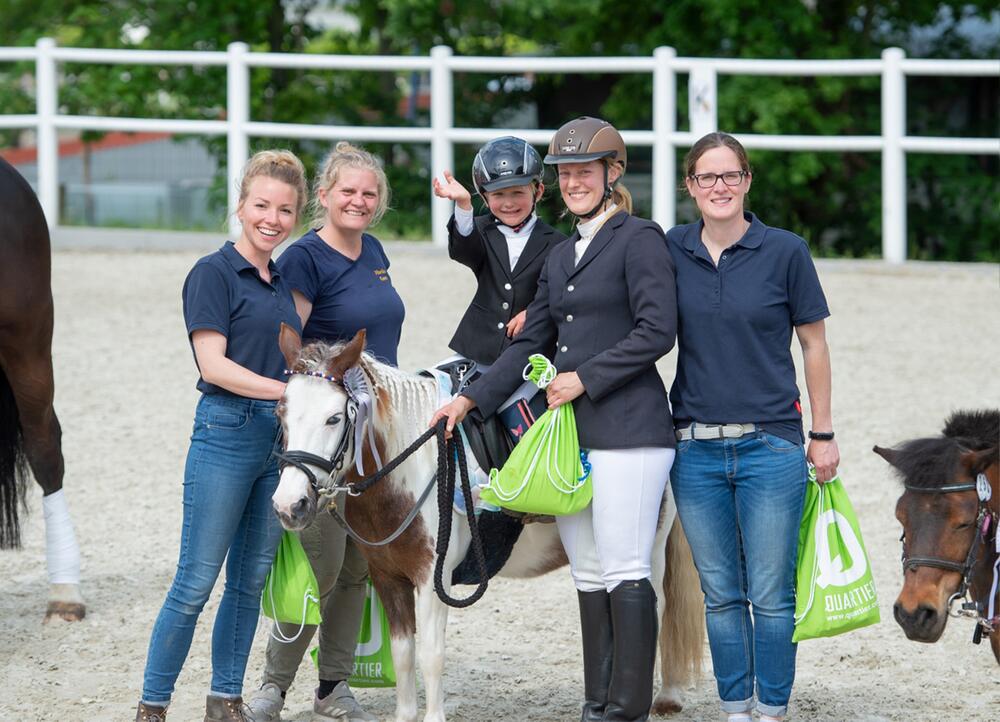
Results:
x,y
343,156
620,195
281,165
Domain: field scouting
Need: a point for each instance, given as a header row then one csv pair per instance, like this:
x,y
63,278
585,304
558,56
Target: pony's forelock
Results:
x,y
412,398
933,462
980,429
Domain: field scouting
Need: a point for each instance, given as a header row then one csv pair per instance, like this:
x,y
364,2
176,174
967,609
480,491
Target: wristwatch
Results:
x,y
821,435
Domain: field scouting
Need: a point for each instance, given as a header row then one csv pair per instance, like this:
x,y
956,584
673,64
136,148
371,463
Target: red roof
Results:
x,y
74,146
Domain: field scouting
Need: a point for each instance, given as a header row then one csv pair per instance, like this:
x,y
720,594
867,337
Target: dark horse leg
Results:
x,y
30,430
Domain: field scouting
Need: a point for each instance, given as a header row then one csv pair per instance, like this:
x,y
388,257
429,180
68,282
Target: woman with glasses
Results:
x,y
739,477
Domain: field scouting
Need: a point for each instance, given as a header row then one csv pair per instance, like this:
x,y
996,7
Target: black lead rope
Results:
x,y
448,451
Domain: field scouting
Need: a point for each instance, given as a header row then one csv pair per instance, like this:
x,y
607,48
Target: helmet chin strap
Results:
x,y
604,199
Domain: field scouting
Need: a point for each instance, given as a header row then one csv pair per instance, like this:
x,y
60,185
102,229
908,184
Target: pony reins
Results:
x,y
451,455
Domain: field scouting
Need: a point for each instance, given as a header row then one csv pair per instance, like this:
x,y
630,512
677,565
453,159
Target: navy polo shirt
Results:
x,y
224,292
346,295
734,360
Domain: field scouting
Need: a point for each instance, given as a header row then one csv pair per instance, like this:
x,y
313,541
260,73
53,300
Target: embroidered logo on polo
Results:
x,y
382,275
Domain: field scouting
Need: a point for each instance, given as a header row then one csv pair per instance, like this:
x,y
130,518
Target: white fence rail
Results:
x,y
664,138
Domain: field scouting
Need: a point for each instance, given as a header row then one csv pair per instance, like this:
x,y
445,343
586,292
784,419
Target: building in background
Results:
x,y
134,180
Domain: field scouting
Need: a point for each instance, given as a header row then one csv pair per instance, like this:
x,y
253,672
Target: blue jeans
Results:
x,y
740,501
229,479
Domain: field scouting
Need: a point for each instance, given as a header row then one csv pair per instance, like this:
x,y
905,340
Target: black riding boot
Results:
x,y
595,623
633,617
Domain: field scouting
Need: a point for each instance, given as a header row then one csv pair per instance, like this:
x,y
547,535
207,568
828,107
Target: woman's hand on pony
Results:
x,y
454,412
452,190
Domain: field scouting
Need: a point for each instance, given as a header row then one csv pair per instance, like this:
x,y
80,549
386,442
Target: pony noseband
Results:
x,y
984,521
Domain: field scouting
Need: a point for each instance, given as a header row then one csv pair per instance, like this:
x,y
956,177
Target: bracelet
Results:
x,y
821,435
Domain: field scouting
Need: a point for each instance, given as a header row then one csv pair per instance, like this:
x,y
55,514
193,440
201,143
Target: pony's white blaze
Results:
x,y
307,406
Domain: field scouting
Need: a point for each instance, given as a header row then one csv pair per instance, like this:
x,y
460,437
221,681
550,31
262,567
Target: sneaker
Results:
x,y
340,706
266,704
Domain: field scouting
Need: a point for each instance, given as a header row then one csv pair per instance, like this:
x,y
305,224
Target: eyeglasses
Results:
x,y
708,180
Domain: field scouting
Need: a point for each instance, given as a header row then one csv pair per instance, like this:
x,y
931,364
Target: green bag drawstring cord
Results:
x,y
539,371
276,631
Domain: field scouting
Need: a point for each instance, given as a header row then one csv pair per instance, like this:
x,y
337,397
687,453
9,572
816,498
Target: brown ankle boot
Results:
x,y
220,709
150,713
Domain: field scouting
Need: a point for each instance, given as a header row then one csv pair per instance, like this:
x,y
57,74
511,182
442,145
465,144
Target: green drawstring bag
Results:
x,y
291,594
373,656
834,591
546,472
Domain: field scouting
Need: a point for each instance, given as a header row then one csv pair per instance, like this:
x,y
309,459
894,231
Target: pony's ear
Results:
x,y
348,357
290,344
890,455
976,462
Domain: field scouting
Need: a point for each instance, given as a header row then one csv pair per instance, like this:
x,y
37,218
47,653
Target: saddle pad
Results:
x,y
477,476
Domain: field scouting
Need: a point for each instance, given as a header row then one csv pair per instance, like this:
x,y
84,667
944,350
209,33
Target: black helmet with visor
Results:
x,y
504,163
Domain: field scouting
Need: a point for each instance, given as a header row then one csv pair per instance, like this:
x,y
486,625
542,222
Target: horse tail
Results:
x,y
13,467
682,631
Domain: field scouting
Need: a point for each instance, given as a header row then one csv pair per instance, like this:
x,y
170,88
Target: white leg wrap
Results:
x,y
62,554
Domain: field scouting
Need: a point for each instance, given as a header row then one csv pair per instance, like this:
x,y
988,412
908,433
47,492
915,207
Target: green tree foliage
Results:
x,y
832,199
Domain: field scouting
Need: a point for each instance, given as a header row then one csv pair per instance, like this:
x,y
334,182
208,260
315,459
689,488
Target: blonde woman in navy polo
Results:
x,y
739,478
235,301
339,275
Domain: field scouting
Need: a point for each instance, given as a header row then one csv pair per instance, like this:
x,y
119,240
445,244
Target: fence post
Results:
x,y
237,114
702,106
442,153
893,156
664,126
46,106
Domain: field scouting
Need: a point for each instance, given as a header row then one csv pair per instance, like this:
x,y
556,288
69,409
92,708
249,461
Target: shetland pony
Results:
x,y
950,510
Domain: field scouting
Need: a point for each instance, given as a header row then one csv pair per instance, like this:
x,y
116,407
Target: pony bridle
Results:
x,y
359,414
984,521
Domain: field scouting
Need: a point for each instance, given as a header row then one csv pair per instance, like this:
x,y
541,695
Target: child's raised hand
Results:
x,y
452,190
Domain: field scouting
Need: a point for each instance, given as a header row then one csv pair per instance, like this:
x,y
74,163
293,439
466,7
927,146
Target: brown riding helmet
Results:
x,y
586,139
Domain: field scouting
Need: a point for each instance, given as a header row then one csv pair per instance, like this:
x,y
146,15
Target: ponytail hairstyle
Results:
x,y
346,156
281,165
620,195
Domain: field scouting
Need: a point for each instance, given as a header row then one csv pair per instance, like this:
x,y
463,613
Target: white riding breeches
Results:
x,y
611,541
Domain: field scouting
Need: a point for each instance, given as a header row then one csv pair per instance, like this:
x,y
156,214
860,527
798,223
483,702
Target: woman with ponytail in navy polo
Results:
x,y
739,478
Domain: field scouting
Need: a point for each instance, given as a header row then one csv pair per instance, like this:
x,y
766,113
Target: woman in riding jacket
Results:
x,y
606,301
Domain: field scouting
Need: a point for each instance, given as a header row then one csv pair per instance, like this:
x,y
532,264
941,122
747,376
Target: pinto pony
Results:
x,y
950,510
29,430
315,415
